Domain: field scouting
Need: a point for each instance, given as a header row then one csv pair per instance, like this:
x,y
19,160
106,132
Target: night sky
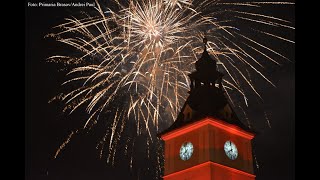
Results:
x,y
46,127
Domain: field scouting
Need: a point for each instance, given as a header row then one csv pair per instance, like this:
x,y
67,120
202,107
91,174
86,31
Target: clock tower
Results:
x,y
207,141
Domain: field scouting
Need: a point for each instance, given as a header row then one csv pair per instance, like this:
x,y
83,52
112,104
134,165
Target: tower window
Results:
x,y
188,116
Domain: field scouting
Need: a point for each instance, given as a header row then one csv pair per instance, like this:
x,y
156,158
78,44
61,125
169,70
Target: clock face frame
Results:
x,y
231,150
186,151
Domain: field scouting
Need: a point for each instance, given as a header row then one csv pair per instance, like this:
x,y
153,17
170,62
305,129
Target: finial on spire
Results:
x,y
205,40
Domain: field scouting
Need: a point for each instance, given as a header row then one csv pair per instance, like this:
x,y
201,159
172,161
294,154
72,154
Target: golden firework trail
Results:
x,y
132,58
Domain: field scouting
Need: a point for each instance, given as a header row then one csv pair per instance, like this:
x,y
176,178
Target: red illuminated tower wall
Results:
x,y
208,161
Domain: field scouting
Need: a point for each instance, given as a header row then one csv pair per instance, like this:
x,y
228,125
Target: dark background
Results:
x,y
46,127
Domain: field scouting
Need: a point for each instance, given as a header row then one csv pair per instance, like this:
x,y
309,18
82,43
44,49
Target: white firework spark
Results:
x,y
133,59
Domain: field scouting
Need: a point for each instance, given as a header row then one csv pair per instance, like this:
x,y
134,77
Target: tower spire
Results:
x,y
206,95
205,41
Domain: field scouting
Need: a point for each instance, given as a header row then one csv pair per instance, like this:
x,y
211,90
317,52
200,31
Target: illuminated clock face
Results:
x,y
186,151
231,150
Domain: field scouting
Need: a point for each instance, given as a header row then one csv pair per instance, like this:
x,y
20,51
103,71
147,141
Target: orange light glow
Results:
x,y
205,169
208,121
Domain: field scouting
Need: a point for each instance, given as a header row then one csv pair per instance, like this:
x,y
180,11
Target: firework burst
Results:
x,y
133,58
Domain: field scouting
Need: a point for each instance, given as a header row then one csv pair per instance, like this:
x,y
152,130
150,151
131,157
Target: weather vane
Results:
x,y
205,41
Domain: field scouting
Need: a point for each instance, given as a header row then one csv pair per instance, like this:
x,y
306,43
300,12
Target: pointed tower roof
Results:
x,y
206,67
